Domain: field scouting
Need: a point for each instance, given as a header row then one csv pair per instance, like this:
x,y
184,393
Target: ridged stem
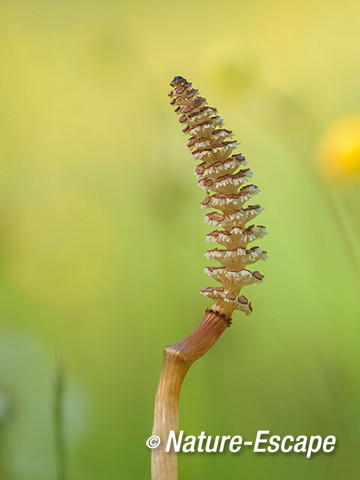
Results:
x,y
177,360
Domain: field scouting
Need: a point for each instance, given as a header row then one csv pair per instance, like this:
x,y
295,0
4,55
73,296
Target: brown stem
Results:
x,y
178,358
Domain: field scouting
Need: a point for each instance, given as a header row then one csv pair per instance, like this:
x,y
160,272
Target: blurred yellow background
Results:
x,y
102,236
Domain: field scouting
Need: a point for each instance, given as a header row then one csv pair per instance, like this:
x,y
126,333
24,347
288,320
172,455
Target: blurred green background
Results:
x,y
102,236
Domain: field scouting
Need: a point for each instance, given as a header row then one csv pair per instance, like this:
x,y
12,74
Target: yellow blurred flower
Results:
x,y
339,149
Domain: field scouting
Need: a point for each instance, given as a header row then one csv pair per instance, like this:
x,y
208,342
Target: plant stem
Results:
x,y
178,358
59,421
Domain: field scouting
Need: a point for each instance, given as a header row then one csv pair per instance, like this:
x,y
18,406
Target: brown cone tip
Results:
x,y
177,79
